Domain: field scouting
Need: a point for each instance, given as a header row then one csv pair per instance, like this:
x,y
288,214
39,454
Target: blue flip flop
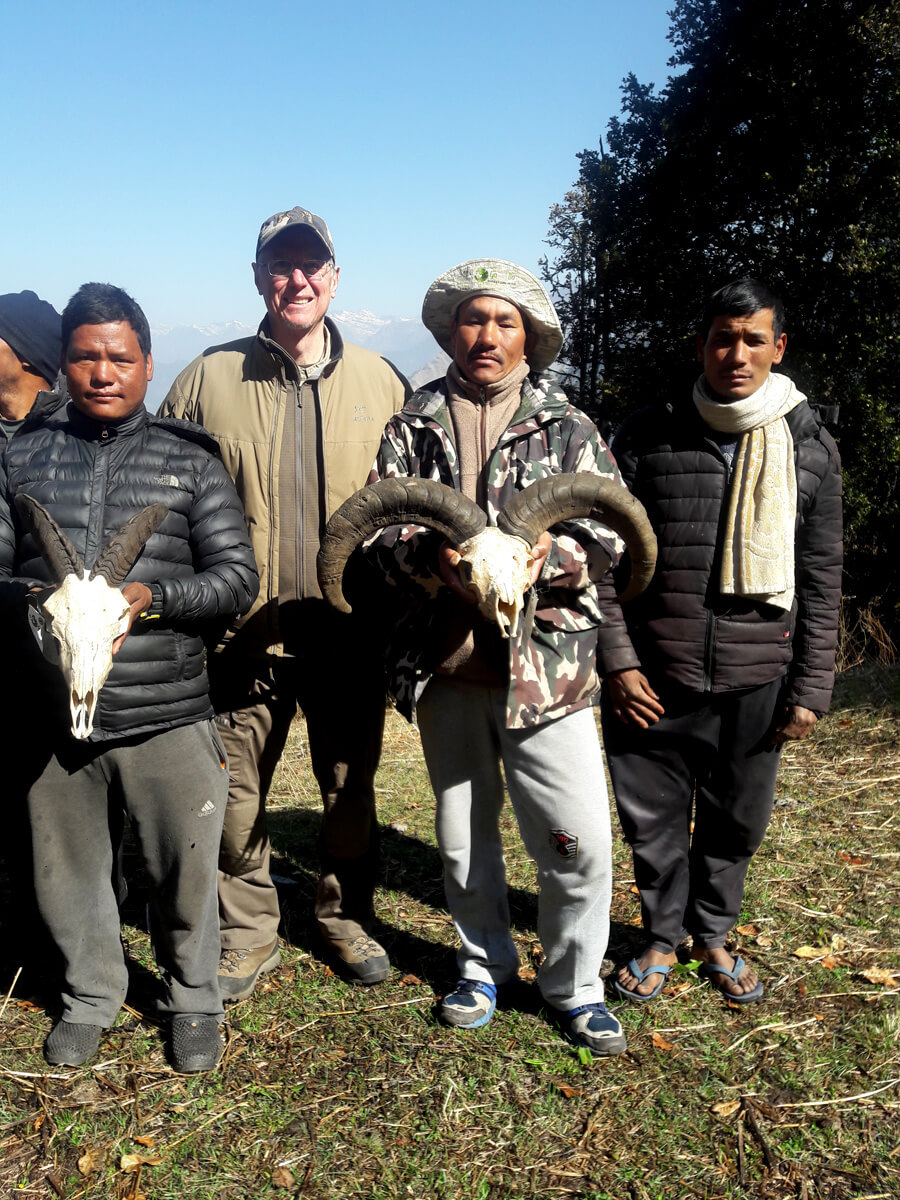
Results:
x,y
640,976
713,975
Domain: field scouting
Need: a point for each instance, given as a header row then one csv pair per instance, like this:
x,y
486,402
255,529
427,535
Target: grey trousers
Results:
x,y
554,773
709,760
256,700
173,786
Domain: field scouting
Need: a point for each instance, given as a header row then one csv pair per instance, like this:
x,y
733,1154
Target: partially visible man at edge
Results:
x,y
29,367
29,360
298,415
730,652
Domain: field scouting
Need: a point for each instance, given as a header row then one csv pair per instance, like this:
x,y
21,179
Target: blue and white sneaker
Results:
x,y
594,1026
470,1004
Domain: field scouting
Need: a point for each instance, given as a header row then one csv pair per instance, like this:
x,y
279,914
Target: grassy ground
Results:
x,y
327,1091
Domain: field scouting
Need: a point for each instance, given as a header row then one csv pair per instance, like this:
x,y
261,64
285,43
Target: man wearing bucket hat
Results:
x,y
491,427
297,413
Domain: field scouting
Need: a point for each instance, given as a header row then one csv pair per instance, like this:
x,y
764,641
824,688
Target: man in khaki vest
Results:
x,y
298,415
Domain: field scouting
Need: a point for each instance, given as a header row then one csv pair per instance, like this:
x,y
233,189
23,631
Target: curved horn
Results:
x,y
566,497
118,556
58,552
391,502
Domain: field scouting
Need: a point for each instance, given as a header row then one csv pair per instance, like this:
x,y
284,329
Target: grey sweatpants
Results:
x,y
554,773
173,786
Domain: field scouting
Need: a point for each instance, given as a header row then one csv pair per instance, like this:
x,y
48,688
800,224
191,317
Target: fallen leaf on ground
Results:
x,y
131,1162
660,1042
90,1160
810,952
568,1091
144,1140
879,975
829,961
764,941
726,1107
747,930
283,1178
838,942
802,989
409,980
850,858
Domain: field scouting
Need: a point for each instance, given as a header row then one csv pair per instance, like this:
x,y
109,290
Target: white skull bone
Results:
x,y
497,568
87,615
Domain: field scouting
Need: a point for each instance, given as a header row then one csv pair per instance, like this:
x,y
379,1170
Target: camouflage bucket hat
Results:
x,y
494,277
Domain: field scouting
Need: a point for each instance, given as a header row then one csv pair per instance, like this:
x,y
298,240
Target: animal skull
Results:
x,y
87,610
495,561
497,568
86,616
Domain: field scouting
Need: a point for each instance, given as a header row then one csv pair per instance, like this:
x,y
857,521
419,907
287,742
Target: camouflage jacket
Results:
x,y
552,660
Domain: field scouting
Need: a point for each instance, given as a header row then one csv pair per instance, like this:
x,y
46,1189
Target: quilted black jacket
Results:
x,y
92,477
683,628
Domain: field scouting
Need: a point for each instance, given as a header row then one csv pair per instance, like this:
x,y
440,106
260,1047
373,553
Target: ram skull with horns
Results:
x,y
86,611
495,561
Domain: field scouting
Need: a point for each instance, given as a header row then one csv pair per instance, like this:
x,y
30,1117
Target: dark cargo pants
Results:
x,y
708,759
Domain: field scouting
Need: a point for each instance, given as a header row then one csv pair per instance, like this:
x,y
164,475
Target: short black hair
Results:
x,y
739,298
104,304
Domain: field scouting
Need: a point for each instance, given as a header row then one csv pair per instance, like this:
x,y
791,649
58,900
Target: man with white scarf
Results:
x,y
730,651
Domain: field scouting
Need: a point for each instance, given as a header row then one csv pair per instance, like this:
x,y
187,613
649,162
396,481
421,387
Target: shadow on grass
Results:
x,y
408,866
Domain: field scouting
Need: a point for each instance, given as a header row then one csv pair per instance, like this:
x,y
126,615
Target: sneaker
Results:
x,y
360,959
470,1005
594,1026
70,1045
240,969
195,1043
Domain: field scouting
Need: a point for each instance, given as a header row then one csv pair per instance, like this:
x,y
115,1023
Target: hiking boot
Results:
x,y
195,1043
594,1026
240,969
70,1045
360,959
470,1005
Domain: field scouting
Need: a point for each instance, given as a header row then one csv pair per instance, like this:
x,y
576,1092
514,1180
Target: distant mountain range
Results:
x,y
403,340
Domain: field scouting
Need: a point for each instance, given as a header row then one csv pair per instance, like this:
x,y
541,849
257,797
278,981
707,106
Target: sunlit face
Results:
x,y
488,339
11,370
739,353
296,305
106,372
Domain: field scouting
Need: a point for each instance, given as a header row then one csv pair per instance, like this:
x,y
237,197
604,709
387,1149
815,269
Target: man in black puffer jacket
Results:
x,y
153,751
730,651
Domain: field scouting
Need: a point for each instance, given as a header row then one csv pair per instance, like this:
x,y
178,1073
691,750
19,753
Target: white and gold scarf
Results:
x,y
758,544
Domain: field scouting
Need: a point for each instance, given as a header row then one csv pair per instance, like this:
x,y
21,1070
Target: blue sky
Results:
x,y
146,142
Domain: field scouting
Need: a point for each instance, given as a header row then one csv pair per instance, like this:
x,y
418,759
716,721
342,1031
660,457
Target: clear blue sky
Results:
x,y
146,142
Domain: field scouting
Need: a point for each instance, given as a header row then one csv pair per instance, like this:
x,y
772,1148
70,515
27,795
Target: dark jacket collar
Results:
x,y
94,431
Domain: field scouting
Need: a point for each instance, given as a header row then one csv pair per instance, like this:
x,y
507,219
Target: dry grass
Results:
x,y
331,1092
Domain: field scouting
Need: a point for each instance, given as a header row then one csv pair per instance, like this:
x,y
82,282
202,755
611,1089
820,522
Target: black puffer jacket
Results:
x,y
683,628
92,477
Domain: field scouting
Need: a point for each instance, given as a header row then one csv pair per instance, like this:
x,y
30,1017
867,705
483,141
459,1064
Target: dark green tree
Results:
x,y
772,150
